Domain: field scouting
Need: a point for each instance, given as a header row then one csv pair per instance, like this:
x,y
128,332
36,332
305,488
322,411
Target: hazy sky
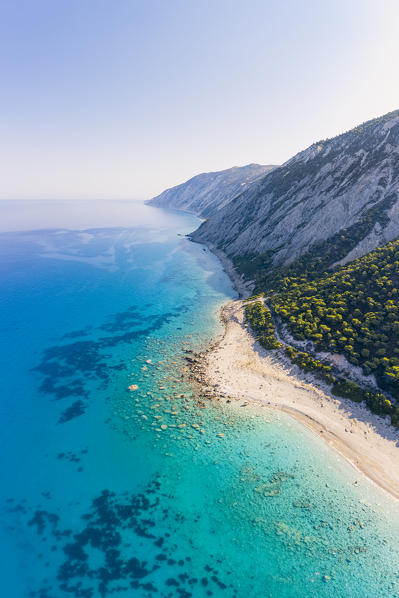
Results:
x,y
123,98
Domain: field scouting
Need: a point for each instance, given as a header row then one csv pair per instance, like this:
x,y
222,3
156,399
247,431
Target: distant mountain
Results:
x,y
340,193
208,192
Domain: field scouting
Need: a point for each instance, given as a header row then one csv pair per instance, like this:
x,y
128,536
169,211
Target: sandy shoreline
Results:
x,y
237,366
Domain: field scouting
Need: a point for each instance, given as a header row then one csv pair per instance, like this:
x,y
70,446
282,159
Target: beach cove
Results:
x,y
243,370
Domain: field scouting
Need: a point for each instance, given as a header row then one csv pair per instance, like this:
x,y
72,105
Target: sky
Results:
x,y
124,98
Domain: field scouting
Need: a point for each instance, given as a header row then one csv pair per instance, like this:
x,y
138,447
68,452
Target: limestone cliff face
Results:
x,y
329,186
208,192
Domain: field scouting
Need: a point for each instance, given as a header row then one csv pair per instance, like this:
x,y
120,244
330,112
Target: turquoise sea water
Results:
x,y
107,491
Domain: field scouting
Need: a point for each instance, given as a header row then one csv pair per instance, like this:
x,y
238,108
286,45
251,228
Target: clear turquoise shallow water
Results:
x,y
107,491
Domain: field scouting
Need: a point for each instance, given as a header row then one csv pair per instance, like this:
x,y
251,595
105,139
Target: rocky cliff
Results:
x,y
348,184
208,192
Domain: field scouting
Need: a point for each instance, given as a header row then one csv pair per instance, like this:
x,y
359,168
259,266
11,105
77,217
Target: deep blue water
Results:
x,y
108,491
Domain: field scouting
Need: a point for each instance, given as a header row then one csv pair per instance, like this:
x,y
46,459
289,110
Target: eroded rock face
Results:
x,y
208,192
323,189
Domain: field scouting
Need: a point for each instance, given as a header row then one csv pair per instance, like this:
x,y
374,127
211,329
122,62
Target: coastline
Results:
x,y
238,367
242,287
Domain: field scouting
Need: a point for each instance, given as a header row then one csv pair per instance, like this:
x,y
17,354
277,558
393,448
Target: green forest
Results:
x,y
353,311
262,325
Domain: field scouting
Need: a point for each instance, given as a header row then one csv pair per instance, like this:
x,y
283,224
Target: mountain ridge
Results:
x,y
206,193
315,194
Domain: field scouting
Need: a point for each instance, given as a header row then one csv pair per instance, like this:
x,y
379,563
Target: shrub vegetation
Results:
x,y
353,311
261,322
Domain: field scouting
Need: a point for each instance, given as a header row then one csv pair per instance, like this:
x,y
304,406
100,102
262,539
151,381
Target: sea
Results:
x,y
118,478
